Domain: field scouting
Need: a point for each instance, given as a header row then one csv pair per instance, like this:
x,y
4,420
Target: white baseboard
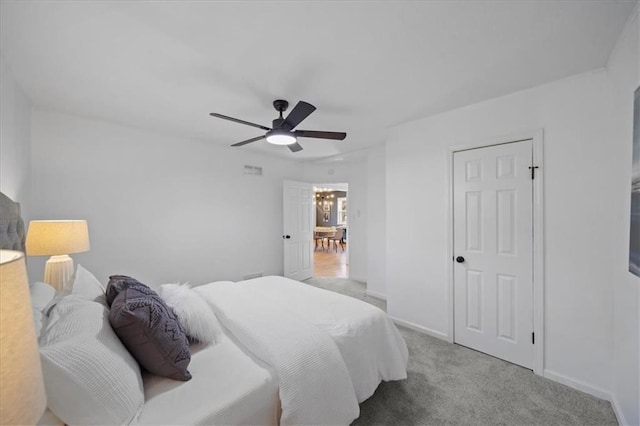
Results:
x,y
578,384
617,410
591,390
419,328
377,295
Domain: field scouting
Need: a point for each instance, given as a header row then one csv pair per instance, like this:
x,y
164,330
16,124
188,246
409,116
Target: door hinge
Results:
x,y
533,338
533,171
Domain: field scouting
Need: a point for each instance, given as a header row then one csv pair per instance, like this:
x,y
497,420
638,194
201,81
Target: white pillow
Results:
x,y
41,295
87,286
194,313
84,285
89,376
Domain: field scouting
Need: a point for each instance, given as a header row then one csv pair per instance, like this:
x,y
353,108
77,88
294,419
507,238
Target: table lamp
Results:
x,y
21,386
58,239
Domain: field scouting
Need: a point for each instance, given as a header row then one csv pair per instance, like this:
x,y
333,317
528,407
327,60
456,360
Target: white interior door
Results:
x,y
493,251
298,230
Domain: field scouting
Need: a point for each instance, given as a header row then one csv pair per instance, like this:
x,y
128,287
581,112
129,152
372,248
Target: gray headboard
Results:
x,y
12,233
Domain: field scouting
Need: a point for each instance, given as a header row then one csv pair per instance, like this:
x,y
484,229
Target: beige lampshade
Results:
x,y
22,393
56,237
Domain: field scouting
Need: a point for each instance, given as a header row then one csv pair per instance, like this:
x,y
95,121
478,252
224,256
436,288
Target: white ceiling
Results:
x,y
366,66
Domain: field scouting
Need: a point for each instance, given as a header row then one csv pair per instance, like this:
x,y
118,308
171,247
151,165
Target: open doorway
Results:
x,y
331,246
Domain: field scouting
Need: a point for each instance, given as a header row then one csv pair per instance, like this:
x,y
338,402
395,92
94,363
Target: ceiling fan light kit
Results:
x,y
282,132
280,137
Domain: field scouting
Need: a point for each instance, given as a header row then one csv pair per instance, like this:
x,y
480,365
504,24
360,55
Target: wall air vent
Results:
x,y
252,170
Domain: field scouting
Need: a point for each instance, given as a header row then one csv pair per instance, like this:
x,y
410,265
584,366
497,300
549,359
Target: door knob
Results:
x,y
459,259
286,237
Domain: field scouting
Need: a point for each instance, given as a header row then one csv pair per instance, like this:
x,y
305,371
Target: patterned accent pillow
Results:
x,y
148,328
116,284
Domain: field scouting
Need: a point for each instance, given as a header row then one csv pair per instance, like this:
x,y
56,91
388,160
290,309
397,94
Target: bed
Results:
x,y
237,388
287,353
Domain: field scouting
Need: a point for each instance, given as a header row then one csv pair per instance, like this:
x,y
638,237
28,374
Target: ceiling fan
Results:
x,y
282,132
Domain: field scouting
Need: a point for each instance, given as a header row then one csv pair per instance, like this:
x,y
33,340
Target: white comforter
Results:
x,y
330,351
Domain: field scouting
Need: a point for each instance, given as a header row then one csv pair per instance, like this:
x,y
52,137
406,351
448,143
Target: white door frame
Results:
x,y
537,137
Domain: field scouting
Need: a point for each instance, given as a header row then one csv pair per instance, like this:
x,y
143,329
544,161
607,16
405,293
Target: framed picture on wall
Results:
x,y
326,214
634,231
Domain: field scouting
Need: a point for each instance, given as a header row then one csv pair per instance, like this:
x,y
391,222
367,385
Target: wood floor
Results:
x,y
329,263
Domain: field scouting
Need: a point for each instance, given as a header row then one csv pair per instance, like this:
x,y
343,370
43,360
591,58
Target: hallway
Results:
x,y
329,263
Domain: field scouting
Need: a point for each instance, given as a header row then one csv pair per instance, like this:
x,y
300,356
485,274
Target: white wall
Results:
x,y
624,73
160,208
582,204
377,222
353,172
15,140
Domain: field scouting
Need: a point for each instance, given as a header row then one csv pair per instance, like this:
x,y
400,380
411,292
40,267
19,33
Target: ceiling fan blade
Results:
x,y
321,135
248,141
295,147
297,114
237,120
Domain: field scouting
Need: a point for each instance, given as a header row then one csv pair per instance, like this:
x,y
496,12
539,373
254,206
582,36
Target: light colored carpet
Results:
x,y
451,385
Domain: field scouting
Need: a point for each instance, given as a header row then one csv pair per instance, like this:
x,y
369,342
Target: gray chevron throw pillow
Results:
x,y
148,328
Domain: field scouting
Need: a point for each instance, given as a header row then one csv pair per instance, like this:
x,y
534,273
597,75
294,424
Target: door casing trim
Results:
x,y
537,138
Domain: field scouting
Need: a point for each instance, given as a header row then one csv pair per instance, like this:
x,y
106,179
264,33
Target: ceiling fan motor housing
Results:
x,y
280,105
277,123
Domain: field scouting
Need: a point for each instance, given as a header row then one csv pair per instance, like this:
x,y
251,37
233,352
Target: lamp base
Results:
x,y
58,272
